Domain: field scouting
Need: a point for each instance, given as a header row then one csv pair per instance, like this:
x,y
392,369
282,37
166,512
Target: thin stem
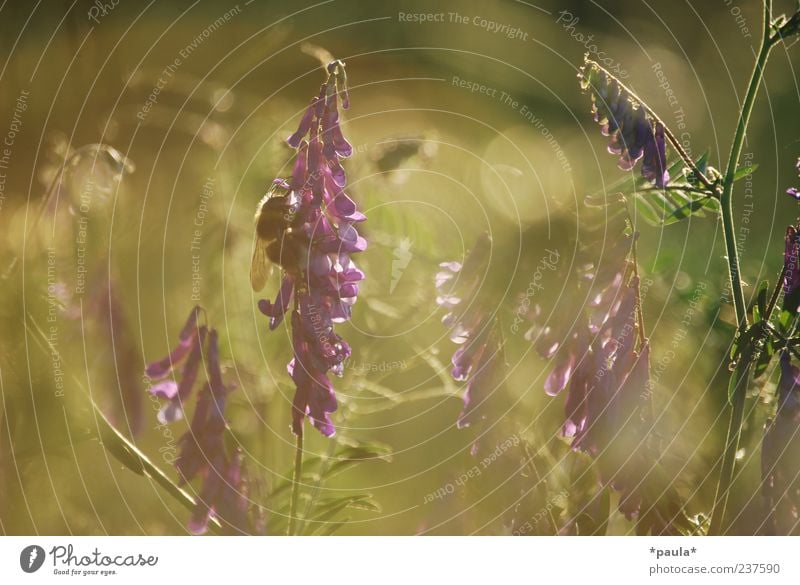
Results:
x,y
639,312
718,526
296,476
739,395
635,260
684,155
775,294
733,162
324,467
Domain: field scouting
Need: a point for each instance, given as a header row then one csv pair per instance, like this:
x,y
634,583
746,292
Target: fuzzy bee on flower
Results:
x,y
277,239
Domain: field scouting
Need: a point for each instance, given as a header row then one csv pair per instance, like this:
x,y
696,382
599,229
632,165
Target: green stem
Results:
x,y
718,525
298,470
639,310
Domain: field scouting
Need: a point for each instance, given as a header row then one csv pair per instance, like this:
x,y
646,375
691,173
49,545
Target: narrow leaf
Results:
x,y
744,171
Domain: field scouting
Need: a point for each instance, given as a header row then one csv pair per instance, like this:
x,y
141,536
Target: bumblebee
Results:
x,y
277,240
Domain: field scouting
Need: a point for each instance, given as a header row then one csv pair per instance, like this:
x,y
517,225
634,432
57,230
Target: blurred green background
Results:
x,y
435,164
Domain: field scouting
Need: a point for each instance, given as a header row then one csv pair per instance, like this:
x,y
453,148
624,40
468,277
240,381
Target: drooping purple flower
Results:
x,y
791,270
186,356
654,160
596,401
780,455
484,377
604,277
204,442
472,323
202,450
634,134
601,361
186,340
314,249
277,309
459,287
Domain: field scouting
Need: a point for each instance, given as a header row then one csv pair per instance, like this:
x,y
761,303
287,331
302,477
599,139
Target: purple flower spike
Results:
x,y
319,275
791,270
202,452
601,363
634,134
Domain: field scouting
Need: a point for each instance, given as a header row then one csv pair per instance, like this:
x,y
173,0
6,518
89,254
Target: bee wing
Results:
x,y
260,267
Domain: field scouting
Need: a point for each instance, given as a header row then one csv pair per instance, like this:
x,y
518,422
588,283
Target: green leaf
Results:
x,y
647,211
327,508
741,341
702,162
691,208
784,319
744,171
349,455
284,485
130,456
630,183
711,204
374,406
760,306
350,452
741,371
764,358
593,517
665,206
350,446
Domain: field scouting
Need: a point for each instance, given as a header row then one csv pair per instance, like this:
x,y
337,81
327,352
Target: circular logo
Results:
x,y
31,558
